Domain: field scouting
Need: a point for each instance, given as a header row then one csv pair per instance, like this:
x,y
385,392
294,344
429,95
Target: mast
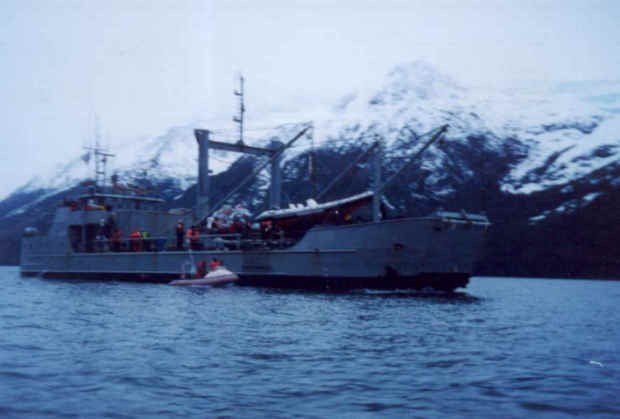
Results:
x,y
239,119
101,158
376,184
274,151
202,189
203,207
312,165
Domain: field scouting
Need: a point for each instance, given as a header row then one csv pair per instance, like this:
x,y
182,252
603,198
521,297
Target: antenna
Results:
x,y
101,158
98,163
239,119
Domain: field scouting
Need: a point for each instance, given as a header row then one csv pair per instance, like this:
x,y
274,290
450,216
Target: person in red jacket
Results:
x,y
201,269
136,240
215,263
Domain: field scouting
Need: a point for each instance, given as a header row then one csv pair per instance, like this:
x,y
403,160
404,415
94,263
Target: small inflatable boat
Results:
x,y
218,276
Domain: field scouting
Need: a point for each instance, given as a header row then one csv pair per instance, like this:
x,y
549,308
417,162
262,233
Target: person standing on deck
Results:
x,y
100,239
146,242
116,240
194,238
180,230
136,240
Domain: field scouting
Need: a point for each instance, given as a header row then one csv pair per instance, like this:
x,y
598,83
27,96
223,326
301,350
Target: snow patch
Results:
x,y
564,155
24,208
591,197
567,207
538,218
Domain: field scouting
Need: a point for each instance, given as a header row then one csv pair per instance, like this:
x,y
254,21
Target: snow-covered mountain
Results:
x,y
557,141
563,135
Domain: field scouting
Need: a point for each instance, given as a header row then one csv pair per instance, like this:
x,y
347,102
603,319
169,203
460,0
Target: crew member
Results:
x,y
116,240
201,270
194,238
180,229
100,238
215,263
146,242
136,240
109,227
266,230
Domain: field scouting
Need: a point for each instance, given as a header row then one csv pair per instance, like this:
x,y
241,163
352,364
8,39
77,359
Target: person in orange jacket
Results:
x,y
194,238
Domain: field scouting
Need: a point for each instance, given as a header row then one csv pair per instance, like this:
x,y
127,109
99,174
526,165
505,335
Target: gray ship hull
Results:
x,y
411,253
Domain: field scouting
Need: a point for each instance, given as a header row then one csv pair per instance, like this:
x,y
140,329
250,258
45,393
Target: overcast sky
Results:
x,y
142,66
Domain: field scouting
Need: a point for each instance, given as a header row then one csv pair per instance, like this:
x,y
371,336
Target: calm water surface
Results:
x,y
505,347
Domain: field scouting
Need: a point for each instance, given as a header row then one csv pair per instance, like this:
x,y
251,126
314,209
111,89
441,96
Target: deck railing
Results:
x,y
226,241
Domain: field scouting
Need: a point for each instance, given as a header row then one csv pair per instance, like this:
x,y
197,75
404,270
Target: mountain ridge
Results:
x,y
416,96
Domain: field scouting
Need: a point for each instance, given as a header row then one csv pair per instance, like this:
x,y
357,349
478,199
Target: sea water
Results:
x,y
502,347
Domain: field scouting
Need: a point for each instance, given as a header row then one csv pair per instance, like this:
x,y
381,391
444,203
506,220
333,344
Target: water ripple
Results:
x,y
505,346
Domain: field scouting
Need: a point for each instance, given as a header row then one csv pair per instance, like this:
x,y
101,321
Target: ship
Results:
x,y
309,245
